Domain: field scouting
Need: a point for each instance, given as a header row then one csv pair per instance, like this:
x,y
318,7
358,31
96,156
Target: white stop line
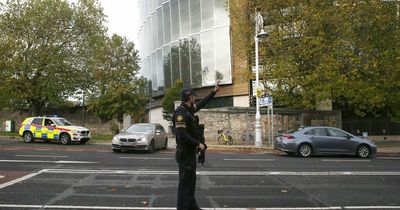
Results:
x,y
169,208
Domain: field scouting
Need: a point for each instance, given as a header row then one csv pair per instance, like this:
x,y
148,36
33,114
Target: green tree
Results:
x,y
45,46
117,89
171,95
347,51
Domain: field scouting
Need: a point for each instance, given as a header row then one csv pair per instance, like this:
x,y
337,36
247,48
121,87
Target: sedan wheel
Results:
x,y
305,150
363,151
151,147
165,144
116,150
28,137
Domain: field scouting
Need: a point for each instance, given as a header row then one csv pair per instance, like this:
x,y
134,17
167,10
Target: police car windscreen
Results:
x,y
62,122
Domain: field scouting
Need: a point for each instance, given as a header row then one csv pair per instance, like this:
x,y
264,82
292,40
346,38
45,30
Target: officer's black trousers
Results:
x,y
187,181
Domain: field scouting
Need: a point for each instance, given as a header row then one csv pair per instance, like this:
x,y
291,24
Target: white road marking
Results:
x,y
389,158
371,207
170,208
1,176
46,161
344,160
45,156
19,179
249,159
145,158
232,173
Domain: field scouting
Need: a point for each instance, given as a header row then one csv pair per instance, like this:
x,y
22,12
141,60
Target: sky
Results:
x,y
122,17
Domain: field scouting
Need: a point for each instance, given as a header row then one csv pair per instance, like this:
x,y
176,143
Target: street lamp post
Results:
x,y
259,34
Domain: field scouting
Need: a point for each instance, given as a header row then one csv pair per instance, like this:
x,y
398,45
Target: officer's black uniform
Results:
x,y
185,125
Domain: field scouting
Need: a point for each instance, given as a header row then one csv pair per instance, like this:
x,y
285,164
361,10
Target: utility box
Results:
x,y
9,126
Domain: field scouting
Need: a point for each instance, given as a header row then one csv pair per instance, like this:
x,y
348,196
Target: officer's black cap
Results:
x,y
186,92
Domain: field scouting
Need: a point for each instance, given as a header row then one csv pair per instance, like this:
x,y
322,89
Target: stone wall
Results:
x,y
240,121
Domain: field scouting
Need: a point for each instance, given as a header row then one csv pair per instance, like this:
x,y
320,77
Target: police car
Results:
x,y
52,128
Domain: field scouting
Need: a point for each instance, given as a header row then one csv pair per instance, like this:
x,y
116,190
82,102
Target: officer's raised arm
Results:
x,y
199,105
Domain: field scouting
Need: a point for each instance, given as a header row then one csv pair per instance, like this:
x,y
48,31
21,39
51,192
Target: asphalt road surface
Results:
x,y
55,176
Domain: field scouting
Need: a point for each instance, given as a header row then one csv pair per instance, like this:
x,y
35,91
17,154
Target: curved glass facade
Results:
x,y
184,39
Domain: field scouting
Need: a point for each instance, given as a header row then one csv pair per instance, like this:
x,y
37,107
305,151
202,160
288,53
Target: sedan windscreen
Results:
x,y
140,129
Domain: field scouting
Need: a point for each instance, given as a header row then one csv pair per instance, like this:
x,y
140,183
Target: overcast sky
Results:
x,y
122,17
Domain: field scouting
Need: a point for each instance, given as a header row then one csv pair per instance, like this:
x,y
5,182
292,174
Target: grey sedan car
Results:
x,y
141,136
308,141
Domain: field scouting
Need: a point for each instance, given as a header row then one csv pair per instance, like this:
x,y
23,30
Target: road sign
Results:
x,y
265,101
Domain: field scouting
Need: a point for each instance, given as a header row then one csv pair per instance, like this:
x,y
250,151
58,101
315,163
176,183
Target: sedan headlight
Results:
x,y
143,139
76,132
115,140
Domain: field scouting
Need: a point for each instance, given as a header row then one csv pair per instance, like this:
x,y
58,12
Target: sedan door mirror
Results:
x,y
348,137
122,131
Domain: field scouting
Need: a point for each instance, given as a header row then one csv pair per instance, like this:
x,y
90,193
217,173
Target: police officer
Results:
x,y
188,144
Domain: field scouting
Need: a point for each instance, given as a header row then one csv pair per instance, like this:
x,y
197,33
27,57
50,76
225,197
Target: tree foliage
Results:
x,y
168,103
116,89
45,46
347,51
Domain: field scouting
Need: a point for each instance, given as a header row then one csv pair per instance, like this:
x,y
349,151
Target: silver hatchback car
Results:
x,y
141,136
319,140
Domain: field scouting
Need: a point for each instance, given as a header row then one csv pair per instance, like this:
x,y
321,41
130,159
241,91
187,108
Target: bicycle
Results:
x,y
224,137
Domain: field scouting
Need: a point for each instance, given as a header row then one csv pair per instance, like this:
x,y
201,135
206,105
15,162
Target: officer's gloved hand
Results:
x,y
201,147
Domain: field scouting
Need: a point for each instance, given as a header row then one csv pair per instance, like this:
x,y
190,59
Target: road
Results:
x,y
55,176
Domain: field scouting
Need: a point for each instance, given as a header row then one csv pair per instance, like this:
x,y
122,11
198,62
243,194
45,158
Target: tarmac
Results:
x,y
385,148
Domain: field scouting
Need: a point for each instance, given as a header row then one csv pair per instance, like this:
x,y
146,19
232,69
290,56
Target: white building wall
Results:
x,y
241,101
156,117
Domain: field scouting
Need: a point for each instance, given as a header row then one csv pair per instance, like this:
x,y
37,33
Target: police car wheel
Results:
x,y
65,138
28,137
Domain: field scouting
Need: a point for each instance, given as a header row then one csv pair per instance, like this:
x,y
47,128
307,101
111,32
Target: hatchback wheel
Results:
x,y
28,137
363,151
305,150
65,138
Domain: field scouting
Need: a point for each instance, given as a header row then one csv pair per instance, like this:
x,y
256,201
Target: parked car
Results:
x,y
52,128
319,140
141,136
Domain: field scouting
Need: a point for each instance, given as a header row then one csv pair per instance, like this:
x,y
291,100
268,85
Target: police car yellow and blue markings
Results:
x,y
43,132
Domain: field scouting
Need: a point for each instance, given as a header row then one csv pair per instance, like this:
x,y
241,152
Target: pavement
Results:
x,y
385,148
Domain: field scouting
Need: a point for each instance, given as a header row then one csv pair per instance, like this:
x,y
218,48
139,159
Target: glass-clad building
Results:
x,y
184,39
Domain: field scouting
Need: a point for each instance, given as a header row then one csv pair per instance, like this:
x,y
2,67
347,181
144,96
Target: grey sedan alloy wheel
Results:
x,y
305,150
151,147
165,144
363,151
28,137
